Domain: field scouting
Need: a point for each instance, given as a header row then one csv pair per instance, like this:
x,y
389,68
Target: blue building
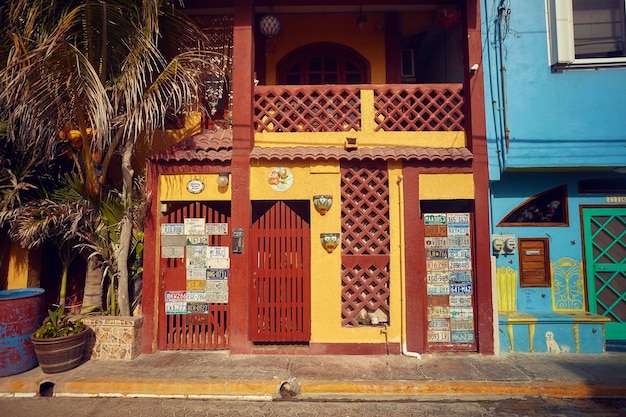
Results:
x,y
555,92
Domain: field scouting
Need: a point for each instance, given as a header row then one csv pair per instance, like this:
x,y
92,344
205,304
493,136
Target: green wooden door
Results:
x,y
605,260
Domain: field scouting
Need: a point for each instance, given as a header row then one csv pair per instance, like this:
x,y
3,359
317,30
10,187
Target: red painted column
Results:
x,y
477,137
415,261
150,281
243,139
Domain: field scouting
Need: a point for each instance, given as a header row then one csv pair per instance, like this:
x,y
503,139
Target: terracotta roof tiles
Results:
x,y
216,145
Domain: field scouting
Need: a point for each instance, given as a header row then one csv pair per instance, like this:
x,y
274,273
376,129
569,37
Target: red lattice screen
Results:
x,y
337,108
192,331
365,241
307,109
429,107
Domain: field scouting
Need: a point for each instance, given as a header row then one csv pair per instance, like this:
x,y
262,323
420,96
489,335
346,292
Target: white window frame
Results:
x,y
561,49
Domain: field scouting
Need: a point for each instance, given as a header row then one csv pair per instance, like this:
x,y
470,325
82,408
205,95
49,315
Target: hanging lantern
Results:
x,y
269,25
449,18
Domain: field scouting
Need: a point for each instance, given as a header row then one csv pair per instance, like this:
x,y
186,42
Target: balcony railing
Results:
x,y
344,108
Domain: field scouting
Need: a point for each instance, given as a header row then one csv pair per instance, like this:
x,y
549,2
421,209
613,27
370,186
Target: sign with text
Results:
x,y
220,229
170,252
194,226
172,229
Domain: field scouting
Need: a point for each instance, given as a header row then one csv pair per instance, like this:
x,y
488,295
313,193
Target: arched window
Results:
x,y
323,63
548,208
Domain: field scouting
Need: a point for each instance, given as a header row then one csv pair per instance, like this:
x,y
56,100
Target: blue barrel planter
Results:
x,y
21,312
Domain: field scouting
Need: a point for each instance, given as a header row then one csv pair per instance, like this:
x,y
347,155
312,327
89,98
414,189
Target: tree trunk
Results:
x,y
126,230
92,296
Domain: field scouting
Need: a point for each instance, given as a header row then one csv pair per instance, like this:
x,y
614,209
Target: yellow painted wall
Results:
x,y
326,267
174,188
23,269
446,186
299,30
366,137
163,139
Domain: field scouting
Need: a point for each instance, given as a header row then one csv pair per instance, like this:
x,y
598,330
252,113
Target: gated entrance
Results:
x,y
192,328
280,245
605,259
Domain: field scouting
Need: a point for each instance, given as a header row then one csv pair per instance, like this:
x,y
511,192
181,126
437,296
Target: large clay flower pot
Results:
x,y
60,354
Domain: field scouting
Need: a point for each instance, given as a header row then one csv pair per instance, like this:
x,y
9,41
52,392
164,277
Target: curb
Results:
x,y
308,389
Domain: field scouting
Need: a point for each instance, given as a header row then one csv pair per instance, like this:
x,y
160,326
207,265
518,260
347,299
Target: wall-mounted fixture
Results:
x,y
329,241
322,203
237,240
222,179
449,17
503,244
164,208
361,20
350,144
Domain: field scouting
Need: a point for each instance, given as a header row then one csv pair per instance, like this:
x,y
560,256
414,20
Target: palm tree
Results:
x,y
103,75
64,223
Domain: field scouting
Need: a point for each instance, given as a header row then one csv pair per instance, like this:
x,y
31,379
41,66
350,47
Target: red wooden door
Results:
x,y
185,331
280,288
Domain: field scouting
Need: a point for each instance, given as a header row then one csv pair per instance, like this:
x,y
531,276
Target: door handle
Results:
x,y
162,279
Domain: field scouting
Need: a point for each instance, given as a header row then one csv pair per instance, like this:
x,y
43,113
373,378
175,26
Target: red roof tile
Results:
x,y
216,145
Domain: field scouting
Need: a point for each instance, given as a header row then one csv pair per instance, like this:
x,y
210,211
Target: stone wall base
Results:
x,y
113,337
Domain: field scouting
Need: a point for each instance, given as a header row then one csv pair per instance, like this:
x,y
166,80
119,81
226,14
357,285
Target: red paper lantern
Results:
x,y
449,18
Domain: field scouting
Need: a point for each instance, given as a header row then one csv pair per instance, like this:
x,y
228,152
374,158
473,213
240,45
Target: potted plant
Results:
x,y
59,342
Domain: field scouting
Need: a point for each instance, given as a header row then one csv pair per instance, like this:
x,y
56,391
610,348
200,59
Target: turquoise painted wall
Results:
x,y
569,119
564,241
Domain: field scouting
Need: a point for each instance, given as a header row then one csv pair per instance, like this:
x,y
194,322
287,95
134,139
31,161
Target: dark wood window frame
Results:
x,y
537,209
348,62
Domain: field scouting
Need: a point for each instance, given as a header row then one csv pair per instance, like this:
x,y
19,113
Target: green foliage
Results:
x,y
58,324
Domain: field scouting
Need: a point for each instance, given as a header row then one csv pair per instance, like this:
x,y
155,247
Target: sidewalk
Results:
x,y
220,375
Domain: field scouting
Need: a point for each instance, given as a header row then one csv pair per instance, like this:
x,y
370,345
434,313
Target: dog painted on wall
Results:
x,y
552,346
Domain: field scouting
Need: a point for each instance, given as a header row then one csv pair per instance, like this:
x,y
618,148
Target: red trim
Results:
x,y
354,349
476,133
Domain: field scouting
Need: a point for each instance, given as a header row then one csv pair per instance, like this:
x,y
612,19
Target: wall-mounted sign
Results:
x,y
194,226
216,229
218,263
217,252
217,274
280,179
616,198
196,273
175,296
172,229
177,307
195,186
172,251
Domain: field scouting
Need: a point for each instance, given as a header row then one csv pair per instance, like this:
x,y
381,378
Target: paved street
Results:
x,y
151,407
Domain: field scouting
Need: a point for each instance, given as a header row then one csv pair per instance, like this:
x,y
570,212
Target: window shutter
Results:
x,y
561,31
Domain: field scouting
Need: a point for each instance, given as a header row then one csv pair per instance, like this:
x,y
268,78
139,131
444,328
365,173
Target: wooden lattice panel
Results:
x,y
419,108
307,109
365,242
365,211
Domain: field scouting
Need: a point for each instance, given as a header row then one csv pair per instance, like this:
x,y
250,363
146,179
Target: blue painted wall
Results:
x,y
569,119
515,188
